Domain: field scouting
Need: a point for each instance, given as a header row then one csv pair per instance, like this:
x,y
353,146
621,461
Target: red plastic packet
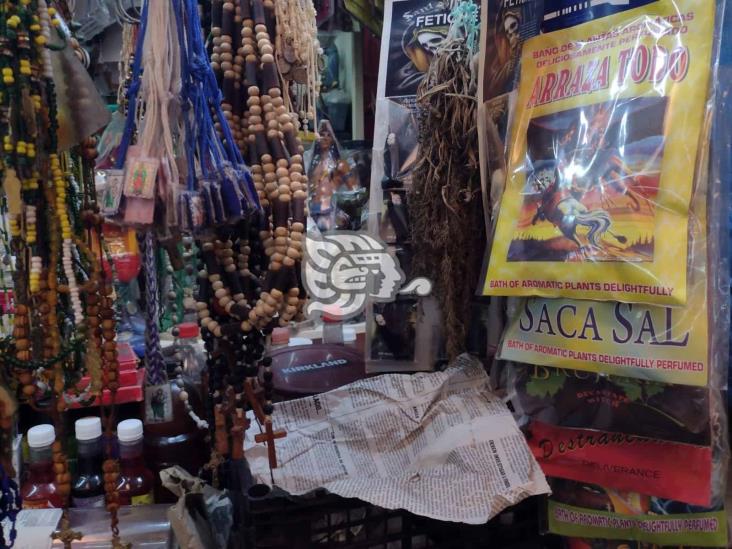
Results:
x,y
669,470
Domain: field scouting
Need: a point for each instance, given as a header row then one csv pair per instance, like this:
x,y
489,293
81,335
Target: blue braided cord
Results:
x,y
154,361
205,75
133,90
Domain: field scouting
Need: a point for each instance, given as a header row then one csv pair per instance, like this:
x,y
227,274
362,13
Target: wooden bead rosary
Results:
x,y
249,280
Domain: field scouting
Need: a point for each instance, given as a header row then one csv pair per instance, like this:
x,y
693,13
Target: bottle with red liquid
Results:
x,y
136,481
39,486
88,487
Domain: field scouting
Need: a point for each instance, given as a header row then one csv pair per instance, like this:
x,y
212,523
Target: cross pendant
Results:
x,y
269,437
65,534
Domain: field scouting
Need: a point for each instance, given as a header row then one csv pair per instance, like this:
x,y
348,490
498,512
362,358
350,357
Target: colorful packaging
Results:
x,y
602,158
580,543
668,344
646,342
504,27
583,400
625,462
594,512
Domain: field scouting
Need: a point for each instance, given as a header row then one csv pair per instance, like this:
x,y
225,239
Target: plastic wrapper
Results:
x,y
599,174
338,198
591,512
657,443
625,462
504,29
569,398
684,345
658,439
643,341
582,543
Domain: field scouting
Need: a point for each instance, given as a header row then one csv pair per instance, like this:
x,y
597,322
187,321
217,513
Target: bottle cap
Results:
x,y
88,428
41,435
332,314
129,430
280,336
188,329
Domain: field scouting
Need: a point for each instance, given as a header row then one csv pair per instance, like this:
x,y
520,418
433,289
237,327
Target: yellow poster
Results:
x,y
602,157
651,342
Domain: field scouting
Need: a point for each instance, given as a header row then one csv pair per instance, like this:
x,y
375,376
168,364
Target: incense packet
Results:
x,y
586,400
590,511
651,342
602,157
681,472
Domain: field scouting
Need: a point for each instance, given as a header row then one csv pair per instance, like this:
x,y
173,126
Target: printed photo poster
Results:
x,y
588,511
602,158
505,26
656,343
413,29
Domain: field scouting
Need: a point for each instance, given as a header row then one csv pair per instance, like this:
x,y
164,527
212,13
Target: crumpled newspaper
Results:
x,y
437,444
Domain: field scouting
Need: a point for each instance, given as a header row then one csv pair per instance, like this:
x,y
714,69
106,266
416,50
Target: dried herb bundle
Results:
x,y
445,203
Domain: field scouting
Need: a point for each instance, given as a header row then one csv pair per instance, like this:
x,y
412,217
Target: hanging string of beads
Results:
x,y
249,272
64,326
298,51
272,147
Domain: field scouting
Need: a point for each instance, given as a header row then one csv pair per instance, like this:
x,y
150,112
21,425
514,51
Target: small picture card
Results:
x,y
158,403
140,174
139,211
112,181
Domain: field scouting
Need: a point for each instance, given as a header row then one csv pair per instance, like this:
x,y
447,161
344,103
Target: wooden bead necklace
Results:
x,y
249,272
297,52
249,277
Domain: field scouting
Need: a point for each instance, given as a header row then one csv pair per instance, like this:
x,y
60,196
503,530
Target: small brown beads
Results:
x,y
61,471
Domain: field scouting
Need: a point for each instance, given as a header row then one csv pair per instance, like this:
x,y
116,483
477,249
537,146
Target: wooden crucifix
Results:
x,y
269,437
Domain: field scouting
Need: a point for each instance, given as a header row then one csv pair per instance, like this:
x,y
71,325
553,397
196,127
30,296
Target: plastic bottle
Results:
x,y
88,487
39,489
135,479
179,440
332,329
189,354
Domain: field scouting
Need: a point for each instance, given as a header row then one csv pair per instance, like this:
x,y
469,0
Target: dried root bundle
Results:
x,y
445,201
